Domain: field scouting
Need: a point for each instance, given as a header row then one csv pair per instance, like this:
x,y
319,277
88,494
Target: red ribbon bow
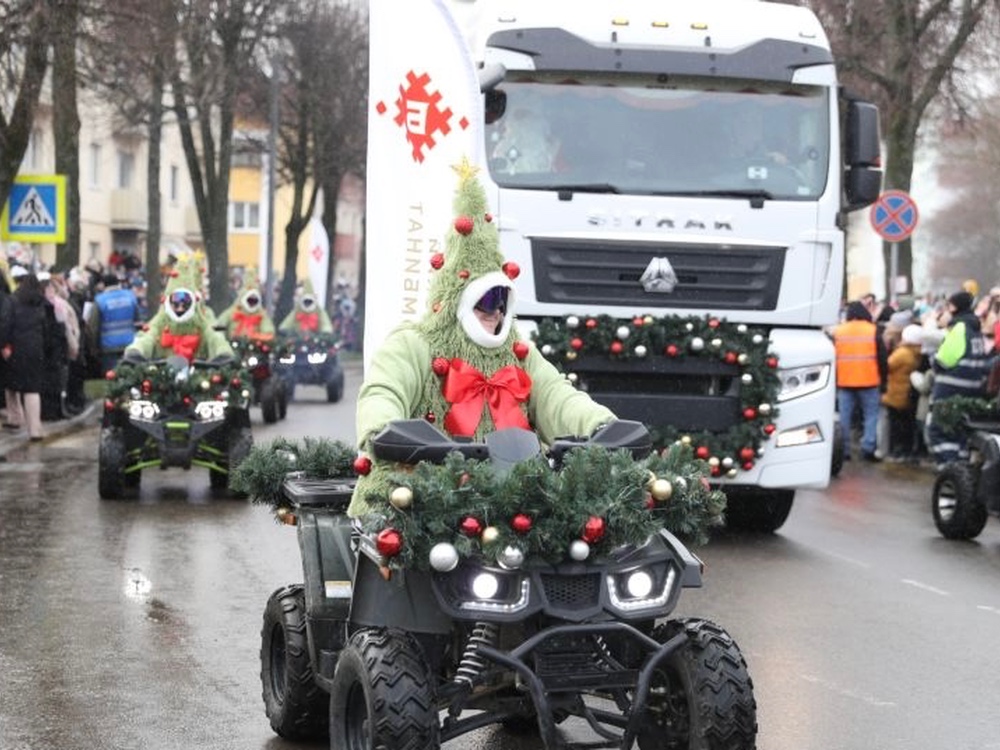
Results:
x,y
183,344
466,389
307,321
247,324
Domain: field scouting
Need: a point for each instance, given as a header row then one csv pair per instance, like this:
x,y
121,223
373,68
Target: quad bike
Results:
x,y
312,360
967,491
171,413
416,658
270,391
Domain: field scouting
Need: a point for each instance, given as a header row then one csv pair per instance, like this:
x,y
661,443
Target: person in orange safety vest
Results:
x,y
861,358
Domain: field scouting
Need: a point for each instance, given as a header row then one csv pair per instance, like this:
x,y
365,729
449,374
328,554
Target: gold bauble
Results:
x,y
401,498
661,490
490,534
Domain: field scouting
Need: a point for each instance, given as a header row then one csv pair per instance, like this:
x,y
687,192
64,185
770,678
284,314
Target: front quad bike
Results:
x,y
169,413
269,390
413,657
312,360
967,491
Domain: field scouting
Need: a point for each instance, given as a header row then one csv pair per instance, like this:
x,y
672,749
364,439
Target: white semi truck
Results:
x,y
673,180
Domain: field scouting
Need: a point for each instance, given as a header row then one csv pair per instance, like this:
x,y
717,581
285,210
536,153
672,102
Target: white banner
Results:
x,y
425,114
319,258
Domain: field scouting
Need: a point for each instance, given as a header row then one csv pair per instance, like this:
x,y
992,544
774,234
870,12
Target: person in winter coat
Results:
x,y
27,343
960,367
899,397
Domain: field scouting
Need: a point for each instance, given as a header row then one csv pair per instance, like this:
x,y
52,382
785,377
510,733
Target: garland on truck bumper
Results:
x,y
151,381
437,514
564,340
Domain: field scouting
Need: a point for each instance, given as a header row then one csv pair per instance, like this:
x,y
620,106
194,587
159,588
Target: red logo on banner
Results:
x,y
418,112
317,253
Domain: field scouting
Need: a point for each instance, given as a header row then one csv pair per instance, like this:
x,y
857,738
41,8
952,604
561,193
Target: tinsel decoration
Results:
x,y
157,382
949,413
742,350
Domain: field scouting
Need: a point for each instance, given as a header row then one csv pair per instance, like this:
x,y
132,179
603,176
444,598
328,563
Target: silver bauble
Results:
x,y
443,557
511,557
579,550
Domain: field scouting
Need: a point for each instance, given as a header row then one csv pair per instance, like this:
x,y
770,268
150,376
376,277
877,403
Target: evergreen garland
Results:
x,y
302,343
159,383
600,497
741,349
949,413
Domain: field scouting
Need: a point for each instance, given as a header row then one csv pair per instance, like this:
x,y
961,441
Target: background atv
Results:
x,y
269,390
312,360
375,656
169,413
966,492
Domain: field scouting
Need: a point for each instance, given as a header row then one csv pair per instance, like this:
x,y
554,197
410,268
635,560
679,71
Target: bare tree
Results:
x,y
24,43
66,121
904,55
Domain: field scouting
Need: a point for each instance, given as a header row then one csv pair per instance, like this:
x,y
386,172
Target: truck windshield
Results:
x,y
641,135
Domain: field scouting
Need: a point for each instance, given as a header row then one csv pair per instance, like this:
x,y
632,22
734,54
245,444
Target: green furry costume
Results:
x,y
190,335
246,317
308,315
447,369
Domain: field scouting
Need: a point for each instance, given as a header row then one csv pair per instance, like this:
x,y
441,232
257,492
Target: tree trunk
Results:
x,y
66,125
154,202
901,143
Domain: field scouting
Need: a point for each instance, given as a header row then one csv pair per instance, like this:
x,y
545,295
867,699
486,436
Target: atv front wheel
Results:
x,y
335,389
239,442
382,694
702,695
295,705
269,401
112,456
958,514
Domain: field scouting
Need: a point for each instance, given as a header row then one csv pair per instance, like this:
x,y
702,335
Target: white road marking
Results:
x,y
847,692
926,587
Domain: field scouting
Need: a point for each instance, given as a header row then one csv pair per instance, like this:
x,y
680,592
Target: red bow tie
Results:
x,y
466,389
183,344
247,324
308,321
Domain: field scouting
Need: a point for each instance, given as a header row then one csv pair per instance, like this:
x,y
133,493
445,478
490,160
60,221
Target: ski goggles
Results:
x,y
494,300
252,301
308,303
180,302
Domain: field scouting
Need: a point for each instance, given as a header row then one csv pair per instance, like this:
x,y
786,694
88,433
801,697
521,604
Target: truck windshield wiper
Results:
x,y
745,193
583,187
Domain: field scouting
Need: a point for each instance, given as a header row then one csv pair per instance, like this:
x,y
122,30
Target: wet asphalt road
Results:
x,y
135,624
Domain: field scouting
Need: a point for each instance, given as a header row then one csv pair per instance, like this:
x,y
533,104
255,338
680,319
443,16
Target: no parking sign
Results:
x,y
894,215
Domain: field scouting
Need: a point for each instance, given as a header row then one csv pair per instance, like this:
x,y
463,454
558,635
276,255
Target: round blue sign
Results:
x,y
894,215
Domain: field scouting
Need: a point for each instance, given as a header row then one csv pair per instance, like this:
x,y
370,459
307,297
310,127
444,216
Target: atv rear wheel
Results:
x,y
295,705
335,389
269,401
701,697
382,694
112,456
958,514
239,442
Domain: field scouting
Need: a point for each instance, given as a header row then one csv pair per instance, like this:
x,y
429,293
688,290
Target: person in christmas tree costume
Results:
x,y
463,365
181,325
308,317
246,317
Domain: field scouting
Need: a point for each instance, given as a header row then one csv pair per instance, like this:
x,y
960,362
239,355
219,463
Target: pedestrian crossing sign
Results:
x,y
35,210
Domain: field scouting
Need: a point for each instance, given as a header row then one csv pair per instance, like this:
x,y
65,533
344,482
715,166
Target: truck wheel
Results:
x,y
112,455
382,694
295,705
269,401
837,458
759,510
957,512
702,695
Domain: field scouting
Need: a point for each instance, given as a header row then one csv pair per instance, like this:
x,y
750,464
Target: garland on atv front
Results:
x,y
311,359
519,592
172,413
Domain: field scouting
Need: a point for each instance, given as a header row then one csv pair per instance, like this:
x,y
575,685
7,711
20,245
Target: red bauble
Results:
x,y
638,321
520,349
616,347
521,523
576,343
772,362
216,379
731,358
593,530
389,542
471,526
110,375
671,350
713,323
591,323
701,452
747,465
716,471
362,466
235,382
437,260
464,225
749,413
440,366
463,274
147,387
650,502
511,269
488,216
429,416
769,429
187,401
109,405
747,454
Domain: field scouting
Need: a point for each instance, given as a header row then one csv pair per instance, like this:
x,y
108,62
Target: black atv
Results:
x,y
380,658
312,359
966,492
269,390
171,413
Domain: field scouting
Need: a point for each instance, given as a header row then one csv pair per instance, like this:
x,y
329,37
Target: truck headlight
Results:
x,y
641,588
801,381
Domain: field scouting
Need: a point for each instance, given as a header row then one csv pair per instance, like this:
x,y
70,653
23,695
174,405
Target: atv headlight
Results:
x,y
485,586
252,361
641,588
317,358
478,590
143,410
287,360
209,411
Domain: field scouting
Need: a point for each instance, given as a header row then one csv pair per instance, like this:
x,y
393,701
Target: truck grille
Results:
x,y
597,272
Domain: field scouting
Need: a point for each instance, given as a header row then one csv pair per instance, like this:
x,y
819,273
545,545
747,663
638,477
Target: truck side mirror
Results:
x,y
862,155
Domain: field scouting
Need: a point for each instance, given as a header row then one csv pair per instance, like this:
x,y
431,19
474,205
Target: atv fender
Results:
x,y
404,600
988,486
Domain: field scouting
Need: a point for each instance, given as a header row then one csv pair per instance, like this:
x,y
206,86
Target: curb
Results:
x,y
55,429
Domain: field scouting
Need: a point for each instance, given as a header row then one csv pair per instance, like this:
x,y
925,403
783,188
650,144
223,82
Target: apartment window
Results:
x,y
245,216
126,169
94,167
95,249
174,183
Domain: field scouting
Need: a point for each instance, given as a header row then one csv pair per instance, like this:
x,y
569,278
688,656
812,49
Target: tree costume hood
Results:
x,y
247,317
309,315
